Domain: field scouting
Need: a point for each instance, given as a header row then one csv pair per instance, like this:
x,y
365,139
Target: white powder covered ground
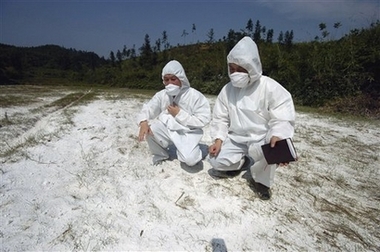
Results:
x,y
76,178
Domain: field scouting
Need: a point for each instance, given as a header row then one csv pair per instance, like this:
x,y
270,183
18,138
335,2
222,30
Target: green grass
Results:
x,y
338,115
16,100
77,97
22,95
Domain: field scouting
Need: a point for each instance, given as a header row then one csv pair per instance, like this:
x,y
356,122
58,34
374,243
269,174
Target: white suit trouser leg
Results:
x,y
158,143
261,172
187,144
229,156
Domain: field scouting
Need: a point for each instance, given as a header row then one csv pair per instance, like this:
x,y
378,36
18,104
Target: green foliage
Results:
x,y
20,64
317,73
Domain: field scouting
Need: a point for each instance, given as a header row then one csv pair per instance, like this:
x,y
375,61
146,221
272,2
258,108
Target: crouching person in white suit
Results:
x,y
250,110
175,115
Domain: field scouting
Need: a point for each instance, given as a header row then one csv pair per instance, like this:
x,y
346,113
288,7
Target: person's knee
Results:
x,y
213,162
191,162
153,139
221,164
190,159
149,138
228,164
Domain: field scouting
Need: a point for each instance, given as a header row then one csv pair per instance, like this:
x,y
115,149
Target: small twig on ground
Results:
x,y
179,198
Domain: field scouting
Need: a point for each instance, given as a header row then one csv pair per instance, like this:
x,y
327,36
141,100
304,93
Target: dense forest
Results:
x,y
342,74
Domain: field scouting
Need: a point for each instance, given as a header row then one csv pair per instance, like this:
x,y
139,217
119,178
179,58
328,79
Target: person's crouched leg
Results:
x,y
190,158
225,168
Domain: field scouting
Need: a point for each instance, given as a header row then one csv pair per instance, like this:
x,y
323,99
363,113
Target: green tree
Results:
x,y
232,38
323,29
257,33
193,31
269,38
112,57
165,41
157,48
263,31
281,38
119,56
184,34
125,52
288,41
210,36
146,54
249,28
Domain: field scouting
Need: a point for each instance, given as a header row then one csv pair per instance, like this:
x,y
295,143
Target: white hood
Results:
x,y
175,68
246,54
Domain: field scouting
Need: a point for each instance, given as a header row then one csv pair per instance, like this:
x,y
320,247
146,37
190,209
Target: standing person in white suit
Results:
x,y
175,115
250,110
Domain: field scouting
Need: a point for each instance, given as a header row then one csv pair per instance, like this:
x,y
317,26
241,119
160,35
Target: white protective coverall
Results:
x,y
185,130
245,118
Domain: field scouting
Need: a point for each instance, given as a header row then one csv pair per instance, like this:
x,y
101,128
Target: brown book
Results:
x,y
282,152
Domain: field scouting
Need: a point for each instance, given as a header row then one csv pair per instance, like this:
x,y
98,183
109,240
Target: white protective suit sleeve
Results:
x,y
221,120
281,113
151,109
200,114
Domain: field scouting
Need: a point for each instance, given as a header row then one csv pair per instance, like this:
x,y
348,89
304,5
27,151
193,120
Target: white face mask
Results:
x,y
172,89
239,79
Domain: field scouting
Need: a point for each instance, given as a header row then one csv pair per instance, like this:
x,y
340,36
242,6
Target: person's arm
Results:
x,y
282,113
215,148
220,118
149,111
144,130
200,115
219,124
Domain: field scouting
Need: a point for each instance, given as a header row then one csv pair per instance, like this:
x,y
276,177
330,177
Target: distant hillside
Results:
x,y
342,75
20,64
